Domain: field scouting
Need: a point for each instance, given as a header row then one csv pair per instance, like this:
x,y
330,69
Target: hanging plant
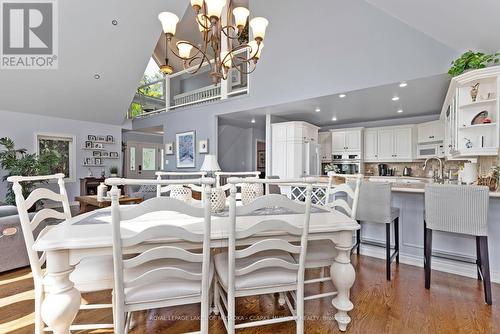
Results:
x,y
472,61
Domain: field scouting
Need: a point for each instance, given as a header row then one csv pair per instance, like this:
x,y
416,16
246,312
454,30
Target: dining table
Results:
x,y
89,234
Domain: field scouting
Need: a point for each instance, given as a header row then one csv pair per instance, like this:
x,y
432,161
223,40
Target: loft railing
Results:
x,y
146,103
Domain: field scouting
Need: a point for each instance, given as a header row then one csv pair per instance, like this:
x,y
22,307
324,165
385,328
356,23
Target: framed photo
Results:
x,y
101,138
104,154
235,76
98,161
203,146
110,139
88,144
91,137
185,150
169,148
113,154
98,145
96,154
261,159
88,161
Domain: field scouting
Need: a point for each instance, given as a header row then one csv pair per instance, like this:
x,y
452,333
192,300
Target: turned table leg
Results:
x,y
62,301
343,275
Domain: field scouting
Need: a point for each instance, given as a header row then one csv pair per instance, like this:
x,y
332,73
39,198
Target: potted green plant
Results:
x,y
471,60
19,162
113,171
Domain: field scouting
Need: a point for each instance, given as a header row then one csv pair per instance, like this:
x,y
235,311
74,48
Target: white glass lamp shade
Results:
x,y
259,25
256,49
240,16
224,57
184,49
197,3
214,7
168,22
204,20
210,164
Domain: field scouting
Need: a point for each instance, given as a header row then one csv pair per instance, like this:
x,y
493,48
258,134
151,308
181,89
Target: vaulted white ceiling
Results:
x,y
390,40
460,24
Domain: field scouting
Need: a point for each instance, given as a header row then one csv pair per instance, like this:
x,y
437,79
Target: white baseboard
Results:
x,y
439,264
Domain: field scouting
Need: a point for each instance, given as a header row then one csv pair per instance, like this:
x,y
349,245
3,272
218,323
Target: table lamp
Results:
x,y
210,165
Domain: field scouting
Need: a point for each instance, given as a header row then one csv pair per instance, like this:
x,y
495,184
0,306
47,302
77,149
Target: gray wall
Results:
x,y
139,137
366,57
22,128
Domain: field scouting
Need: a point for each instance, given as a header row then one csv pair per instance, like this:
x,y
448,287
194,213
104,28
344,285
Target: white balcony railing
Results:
x,y
197,96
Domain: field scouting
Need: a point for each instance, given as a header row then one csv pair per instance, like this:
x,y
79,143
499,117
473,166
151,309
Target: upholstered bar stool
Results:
x,y
375,207
462,210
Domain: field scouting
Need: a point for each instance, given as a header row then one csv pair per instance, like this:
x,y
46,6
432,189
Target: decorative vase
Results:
x,y
474,91
250,191
102,189
181,193
217,200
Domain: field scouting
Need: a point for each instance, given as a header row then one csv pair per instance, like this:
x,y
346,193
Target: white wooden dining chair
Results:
x,y
179,191
160,273
90,275
321,253
265,266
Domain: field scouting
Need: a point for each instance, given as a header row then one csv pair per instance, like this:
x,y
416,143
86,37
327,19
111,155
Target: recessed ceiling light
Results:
x,y
403,84
114,22
395,98
334,118
97,76
400,111
317,110
342,96
253,120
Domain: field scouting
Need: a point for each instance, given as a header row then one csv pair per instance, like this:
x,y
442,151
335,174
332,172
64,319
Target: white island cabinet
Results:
x,y
471,112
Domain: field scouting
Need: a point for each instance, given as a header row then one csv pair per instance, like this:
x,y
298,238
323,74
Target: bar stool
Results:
x,y
463,210
375,207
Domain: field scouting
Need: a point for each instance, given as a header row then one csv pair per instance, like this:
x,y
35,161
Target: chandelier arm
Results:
x,y
254,67
243,46
206,19
194,57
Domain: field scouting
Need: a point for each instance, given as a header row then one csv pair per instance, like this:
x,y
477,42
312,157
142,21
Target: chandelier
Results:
x,y
215,30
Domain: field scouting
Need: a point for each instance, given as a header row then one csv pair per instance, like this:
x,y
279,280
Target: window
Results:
x,y
149,159
63,146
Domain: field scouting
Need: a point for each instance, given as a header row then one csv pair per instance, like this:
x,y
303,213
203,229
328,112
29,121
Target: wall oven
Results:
x,y
347,163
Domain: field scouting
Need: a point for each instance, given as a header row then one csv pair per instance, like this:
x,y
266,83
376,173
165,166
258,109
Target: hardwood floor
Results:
x,y
454,304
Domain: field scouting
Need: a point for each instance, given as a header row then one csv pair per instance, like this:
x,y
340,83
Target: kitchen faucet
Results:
x,y
441,171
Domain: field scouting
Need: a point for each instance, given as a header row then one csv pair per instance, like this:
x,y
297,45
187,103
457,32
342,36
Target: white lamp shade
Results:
x,y
198,3
184,49
210,164
168,22
256,49
226,59
259,25
240,16
214,7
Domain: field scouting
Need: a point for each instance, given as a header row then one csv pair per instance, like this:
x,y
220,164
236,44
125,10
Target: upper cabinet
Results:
x,y
346,140
390,144
430,132
470,114
325,142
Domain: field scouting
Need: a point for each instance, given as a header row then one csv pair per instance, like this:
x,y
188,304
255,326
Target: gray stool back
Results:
x,y
457,209
374,202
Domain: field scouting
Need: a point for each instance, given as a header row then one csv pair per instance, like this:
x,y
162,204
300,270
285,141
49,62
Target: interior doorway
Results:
x,y
144,152
260,157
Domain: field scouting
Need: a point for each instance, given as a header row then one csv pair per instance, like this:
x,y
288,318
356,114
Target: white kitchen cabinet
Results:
x,y
325,142
385,145
346,140
390,144
370,148
403,144
289,149
430,132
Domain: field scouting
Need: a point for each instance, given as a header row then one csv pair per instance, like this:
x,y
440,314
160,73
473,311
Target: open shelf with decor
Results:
x,y
471,113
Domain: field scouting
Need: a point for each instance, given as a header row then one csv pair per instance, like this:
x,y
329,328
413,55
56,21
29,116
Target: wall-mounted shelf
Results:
x,y
478,103
475,126
85,165
93,149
